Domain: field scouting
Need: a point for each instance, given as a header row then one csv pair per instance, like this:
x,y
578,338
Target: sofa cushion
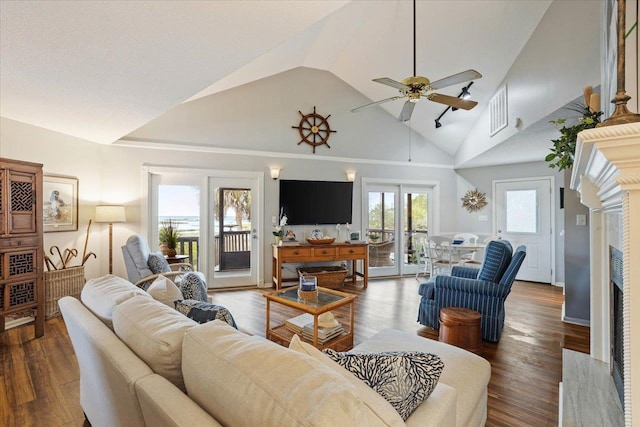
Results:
x,y
203,312
245,380
466,372
193,286
164,290
497,256
102,294
158,264
154,332
378,406
404,379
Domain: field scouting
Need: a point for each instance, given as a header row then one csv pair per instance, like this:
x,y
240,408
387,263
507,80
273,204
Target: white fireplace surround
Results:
x,y
606,173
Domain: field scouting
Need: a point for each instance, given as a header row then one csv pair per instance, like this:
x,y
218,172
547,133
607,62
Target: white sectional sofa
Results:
x,y
145,364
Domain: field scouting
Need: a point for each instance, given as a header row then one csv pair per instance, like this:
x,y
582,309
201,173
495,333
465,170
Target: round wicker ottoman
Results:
x,y
461,327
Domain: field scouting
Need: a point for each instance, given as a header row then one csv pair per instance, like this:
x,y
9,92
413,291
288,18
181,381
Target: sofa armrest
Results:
x,y
149,279
471,286
466,272
163,404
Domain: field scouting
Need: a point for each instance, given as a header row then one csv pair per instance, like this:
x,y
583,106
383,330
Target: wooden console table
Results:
x,y
313,253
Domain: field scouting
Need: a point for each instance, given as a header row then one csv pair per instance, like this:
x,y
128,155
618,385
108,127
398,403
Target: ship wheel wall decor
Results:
x,y
314,129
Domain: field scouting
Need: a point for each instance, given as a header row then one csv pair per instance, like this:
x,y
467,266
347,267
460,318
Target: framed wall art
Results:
x,y
60,203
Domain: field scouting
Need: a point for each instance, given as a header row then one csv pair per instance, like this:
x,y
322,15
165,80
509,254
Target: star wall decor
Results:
x,y
474,200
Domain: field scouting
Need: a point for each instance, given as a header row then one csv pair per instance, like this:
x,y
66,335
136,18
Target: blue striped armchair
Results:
x,y
483,290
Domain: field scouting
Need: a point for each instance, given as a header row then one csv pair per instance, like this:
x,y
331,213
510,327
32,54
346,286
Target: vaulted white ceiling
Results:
x,y
99,70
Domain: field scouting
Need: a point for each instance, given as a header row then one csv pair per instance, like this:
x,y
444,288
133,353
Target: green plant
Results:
x,y
564,148
168,234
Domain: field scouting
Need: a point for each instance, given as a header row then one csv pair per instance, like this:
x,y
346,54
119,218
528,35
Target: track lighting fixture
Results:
x,y
464,95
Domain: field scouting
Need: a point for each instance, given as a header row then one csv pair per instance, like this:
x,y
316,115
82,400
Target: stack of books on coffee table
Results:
x,y
303,325
296,324
324,334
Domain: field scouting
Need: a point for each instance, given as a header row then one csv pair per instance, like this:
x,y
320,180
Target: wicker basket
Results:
x,y
331,277
60,283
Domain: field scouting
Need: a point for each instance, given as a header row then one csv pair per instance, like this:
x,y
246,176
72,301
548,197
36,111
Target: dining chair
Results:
x,y
441,256
470,256
420,242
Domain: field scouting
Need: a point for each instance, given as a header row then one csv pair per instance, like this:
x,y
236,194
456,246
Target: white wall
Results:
x,y
557,62
482,179
64,155
111,174
372,143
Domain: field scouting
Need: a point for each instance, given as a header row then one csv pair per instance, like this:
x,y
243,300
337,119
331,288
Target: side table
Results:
x,y
461,327
177,259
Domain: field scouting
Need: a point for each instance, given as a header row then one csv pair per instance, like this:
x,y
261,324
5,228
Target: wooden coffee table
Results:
x,y
327,300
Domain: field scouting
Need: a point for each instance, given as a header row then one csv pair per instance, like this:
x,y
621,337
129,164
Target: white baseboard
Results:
x,y
560,408
17,322
558,284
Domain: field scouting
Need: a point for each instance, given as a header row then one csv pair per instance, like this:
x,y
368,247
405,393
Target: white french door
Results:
x,y
523,215
393,214
219,217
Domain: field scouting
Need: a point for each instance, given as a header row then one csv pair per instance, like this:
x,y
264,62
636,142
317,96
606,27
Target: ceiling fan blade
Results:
x,y
407,111
464,76
390,82
393,98
451,101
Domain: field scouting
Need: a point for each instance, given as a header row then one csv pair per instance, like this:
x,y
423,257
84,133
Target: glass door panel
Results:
x,y
395,216
233,236
177,198
416,220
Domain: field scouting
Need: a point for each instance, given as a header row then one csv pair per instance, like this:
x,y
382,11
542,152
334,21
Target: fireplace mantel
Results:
x,y
606,173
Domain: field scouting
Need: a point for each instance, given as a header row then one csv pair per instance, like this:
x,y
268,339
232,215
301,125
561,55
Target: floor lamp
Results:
x,y
109,215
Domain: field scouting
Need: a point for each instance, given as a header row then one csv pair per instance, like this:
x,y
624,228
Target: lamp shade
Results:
x,y
110,214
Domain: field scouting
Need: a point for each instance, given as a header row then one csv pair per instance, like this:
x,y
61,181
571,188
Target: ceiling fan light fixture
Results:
x,y
416,87
438,124
465,93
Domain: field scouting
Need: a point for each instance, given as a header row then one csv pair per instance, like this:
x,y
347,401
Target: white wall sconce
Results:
x,y
275,173
351,176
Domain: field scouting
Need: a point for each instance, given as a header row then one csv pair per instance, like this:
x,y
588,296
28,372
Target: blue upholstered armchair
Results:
x,y
483,290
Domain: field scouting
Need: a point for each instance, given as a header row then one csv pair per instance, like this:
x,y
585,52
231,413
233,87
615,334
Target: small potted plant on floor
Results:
x,y
168,236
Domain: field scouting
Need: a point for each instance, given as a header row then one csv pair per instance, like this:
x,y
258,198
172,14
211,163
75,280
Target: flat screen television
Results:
x,y
316,202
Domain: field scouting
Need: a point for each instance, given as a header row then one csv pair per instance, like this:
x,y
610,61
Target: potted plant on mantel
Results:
x,y
564,148
168,236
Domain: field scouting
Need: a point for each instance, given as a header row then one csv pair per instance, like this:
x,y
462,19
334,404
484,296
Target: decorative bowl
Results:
x,y
323,241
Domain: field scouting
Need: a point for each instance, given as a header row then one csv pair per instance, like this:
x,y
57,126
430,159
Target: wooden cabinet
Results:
x,y
21,252
312,253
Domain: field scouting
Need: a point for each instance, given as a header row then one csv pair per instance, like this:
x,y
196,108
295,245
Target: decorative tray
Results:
x,y
323,241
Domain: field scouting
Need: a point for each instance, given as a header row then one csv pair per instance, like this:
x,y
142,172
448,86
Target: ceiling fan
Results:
x,y
416,87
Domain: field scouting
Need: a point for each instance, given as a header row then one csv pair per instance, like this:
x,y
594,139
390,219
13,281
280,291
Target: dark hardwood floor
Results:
x,y
39,377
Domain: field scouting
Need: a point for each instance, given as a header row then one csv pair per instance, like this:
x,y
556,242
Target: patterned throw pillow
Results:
x,y
404,379
157,264
193,287
203,312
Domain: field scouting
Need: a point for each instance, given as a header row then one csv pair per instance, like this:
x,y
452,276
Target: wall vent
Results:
x,y
498,111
